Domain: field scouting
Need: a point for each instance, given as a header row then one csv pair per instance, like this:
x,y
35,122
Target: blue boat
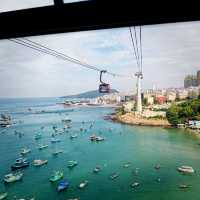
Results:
x,y
64,184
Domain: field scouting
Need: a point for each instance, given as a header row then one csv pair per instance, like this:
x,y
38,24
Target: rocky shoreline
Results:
x,y
131,119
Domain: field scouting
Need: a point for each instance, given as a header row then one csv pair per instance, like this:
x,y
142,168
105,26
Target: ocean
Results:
x,y
141,147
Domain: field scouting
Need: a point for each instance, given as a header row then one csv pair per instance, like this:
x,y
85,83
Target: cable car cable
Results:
x,y
49,51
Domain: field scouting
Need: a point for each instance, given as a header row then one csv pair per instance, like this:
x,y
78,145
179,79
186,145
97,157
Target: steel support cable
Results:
x,y
44,49
141,56
134,48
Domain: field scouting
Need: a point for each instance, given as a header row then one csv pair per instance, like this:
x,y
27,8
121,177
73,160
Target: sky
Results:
x,y
170,52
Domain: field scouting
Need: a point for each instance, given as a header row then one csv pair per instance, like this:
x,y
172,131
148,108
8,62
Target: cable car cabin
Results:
x,y
104,88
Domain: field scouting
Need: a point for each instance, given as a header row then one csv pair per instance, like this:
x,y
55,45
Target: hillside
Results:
x,y
89,94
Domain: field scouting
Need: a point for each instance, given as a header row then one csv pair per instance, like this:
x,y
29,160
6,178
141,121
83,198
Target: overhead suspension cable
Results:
x,y
134,48
137,49
41,48
141,56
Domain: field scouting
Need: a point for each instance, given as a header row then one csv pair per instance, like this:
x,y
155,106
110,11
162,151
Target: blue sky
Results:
x,y
170,51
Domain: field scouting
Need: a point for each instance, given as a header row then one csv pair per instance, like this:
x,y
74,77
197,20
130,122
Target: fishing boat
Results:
x,y
55,153
24,151
64,184
183,186
135,184
93,137
20,163
185,169
74,199
10,178
157,167
3,195
126,165
38,136
73,136
114,176
99,139
83,184
55,140
158,180
57,175
96,169
42,147
72,163
38,163
66,120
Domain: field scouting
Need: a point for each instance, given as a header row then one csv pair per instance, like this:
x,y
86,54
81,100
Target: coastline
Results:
x,y
131,119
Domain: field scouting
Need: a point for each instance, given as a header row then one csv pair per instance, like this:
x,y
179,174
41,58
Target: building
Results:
x,y
198,77
160,99
193,92
171,96
150,100
190,80
182,94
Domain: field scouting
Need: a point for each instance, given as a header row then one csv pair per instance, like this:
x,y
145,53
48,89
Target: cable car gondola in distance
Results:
x,y
103,87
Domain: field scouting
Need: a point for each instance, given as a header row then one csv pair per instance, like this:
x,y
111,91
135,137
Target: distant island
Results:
x,y
89,94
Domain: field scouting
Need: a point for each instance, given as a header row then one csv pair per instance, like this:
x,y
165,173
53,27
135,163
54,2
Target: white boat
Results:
x,y
43,147
135,184
185,169
55,153
126,165
24,151
99,139
97,169
73,136
55,140
3,195
38,163
13,177
83,184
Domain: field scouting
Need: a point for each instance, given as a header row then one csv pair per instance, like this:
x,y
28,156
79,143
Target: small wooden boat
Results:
x,y
72,163
57,175
74,199
83,184
38,163
43,147
3,195
55,153
73,136
93,137
183,186
99,139
55,140
126,165
135,184
96,169
38,136
10,178
25,151
64,184
114,176
157,167
185,169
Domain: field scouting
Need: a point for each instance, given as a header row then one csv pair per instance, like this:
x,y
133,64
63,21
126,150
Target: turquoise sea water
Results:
x,y
143,147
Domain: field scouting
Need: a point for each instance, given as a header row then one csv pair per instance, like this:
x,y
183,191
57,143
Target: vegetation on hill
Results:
x,y
184,111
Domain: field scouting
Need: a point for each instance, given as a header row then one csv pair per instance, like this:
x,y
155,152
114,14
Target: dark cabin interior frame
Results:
x,y
87,15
